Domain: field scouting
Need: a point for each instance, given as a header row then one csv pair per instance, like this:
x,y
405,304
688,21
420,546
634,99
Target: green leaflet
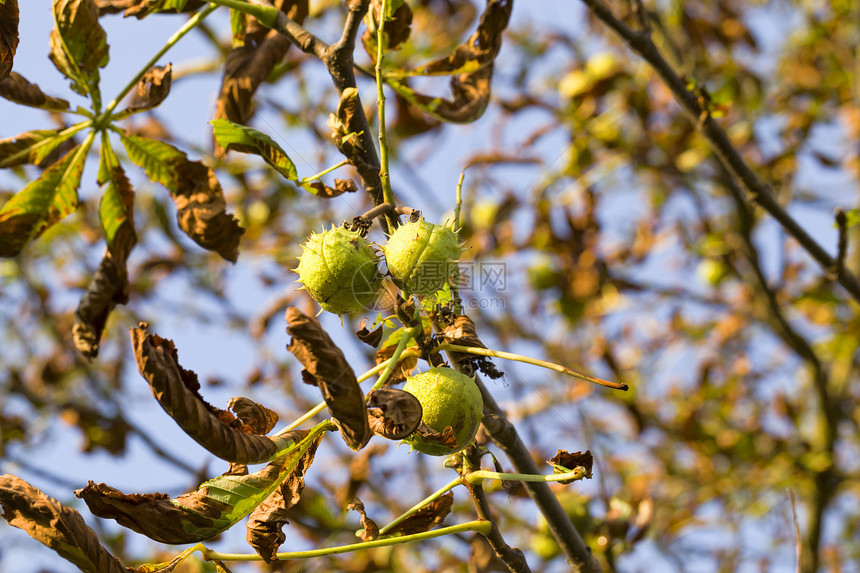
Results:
x,y
116,209
156,157
32,146
42,202
79,45
238,137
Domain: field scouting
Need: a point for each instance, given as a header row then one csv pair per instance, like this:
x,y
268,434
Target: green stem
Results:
x,y
395,358
482,527
321,406
387,192
479,476
187,27
432,497
304,180
266,15
529,360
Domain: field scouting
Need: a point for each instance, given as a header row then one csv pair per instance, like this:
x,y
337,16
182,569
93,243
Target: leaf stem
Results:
x,y
310,178
187,27
481,526
387,192
395,358
430,498
534,361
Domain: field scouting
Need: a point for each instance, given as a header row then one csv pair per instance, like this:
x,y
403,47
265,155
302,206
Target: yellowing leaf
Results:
x,y
79,44
238,137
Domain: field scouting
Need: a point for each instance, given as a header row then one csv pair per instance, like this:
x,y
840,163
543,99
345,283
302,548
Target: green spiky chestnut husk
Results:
x,y
448,398
338,269
422,256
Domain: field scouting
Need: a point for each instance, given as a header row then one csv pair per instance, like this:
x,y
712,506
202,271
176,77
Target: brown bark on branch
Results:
x,y
756,190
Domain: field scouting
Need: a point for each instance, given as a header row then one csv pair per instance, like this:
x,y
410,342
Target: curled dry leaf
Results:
x,y
370,530
252,417
405,366
462,332
563,462
248,65
393,413
265,524
370,338
8,36
16,88
108,287
426,518
325,366
152,89
323,191
59,527
217,504
177,390
472,64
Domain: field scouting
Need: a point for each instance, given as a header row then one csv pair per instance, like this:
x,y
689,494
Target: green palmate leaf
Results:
x,y
238,23
217,505
79,44
32,147
42,203
238,137
201,209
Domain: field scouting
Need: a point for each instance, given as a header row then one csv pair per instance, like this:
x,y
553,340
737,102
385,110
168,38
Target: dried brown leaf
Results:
x,y
325,366
254,418
201,210
444,438
248,65
8,36
265,524
323,191
405,366
152,88
59,527
393,413
426,518
474,61
41,147
177,390
564,462
108,287
16,88
370,338
370,530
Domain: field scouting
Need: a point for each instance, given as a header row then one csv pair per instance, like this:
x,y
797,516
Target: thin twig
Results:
x,y
754,188
842,245
511,556
798,546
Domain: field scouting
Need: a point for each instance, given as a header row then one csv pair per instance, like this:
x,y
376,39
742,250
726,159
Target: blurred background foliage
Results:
x,y
626,251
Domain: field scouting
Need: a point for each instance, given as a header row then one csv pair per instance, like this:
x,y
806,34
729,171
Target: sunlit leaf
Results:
x,y
59,527
231,135
41,203
79,44
34,147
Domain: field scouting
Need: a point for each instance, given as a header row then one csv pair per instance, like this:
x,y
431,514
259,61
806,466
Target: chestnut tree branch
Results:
x,y
696,107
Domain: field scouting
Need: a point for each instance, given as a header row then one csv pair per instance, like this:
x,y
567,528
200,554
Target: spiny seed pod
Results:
x,y
422,256
339,270
448,398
